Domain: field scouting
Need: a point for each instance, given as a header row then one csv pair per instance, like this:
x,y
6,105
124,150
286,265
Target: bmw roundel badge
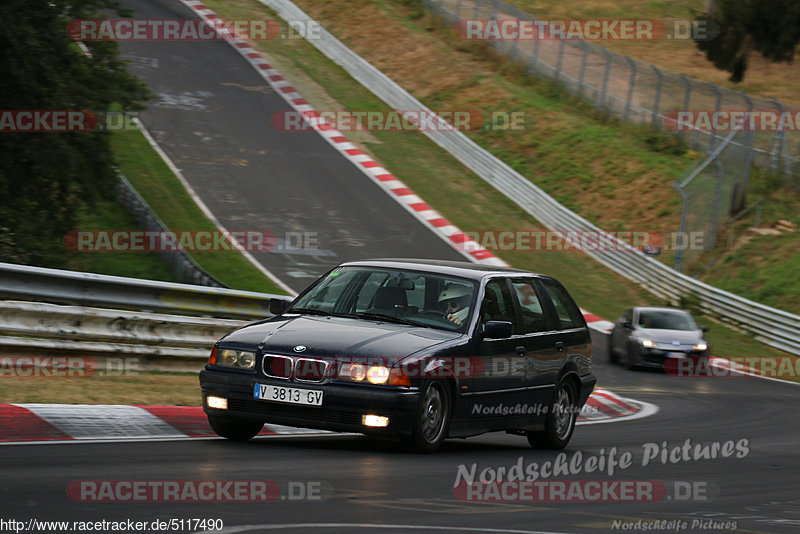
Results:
x,y
299,348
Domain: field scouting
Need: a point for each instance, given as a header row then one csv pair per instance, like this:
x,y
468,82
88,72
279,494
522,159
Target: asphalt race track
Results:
x,y
212,117
354,480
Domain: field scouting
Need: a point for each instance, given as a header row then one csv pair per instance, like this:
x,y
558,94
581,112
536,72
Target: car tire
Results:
x,y
630,361
234,428
560,420
612,356
432,419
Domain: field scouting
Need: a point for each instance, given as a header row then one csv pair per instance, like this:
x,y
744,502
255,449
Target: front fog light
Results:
x,y
220,403
375,420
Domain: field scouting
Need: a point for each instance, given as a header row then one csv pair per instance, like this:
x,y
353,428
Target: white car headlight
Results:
x,y
239,359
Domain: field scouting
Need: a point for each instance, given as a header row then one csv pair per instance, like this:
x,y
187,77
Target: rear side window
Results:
x,y
533,318
569,315
497,304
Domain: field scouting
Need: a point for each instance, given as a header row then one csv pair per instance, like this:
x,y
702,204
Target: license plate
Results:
x,y
307,397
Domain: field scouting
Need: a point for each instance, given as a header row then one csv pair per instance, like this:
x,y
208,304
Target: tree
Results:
x,y
46,177
769,27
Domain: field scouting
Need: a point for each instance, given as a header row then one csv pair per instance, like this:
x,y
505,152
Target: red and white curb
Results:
x,y
604,406
48,423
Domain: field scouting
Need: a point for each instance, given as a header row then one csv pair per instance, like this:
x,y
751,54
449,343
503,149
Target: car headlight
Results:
x,y
374,374
240,359
378,374
352,371
700,347
648,343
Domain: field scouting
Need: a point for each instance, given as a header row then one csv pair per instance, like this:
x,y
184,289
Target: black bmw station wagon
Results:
x,y
419,350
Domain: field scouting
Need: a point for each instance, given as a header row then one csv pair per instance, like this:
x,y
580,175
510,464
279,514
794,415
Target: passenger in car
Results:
x,y
453,302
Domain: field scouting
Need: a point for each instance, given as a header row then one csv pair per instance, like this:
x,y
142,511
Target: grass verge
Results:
x,y
169,389
107,215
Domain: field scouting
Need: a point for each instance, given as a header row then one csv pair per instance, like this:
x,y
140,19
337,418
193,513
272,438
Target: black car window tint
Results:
x,y
366,295
416,297
497,304
533,318
665,321
569,315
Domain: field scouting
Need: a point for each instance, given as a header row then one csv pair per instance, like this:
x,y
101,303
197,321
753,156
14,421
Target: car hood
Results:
x,y
336,337
668,337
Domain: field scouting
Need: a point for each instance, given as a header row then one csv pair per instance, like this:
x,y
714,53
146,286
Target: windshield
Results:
x,y
666,320
409,297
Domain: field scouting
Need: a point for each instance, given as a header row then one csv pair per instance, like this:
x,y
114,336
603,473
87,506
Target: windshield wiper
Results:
x,y
309,311
384,317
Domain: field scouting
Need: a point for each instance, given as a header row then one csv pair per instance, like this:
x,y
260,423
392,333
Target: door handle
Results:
x,y
559,346
521,350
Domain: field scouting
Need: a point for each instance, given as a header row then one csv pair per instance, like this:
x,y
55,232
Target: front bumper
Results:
x,y
343,405
587,386
655,357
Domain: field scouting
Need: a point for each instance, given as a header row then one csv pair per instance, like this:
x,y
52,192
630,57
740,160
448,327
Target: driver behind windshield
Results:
x,y
453,302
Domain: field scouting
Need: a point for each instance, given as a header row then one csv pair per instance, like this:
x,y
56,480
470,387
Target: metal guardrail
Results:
x,y
183,267
772,326
21,282
24,325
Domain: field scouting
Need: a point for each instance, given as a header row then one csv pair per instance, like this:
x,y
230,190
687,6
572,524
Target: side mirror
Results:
x,y
627,324
497,329
278,306
704,328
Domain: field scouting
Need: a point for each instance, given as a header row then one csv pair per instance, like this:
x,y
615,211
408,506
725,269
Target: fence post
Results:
x,y
715,209
686,101
778,139
714,137
684,214
603,94
657,99
631,85
534,64
585,47
751,145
